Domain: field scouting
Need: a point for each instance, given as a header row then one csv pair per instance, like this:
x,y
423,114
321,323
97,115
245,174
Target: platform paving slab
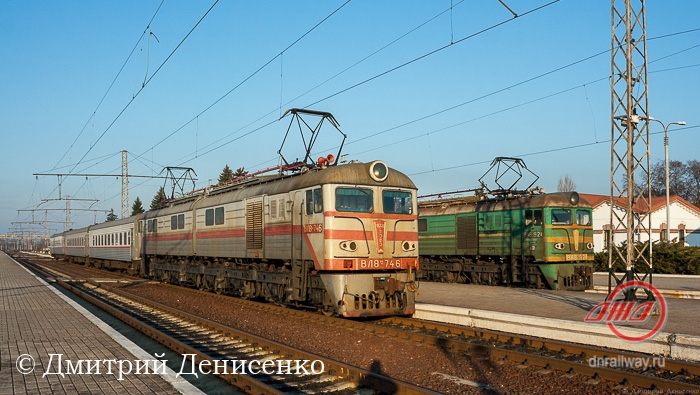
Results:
x,y
36,321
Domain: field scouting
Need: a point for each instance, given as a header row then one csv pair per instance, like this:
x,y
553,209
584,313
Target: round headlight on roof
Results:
x,y
378,171
573,198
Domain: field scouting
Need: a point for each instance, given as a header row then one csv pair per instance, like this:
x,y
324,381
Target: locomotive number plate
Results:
x,y
576,257
379,263
313,228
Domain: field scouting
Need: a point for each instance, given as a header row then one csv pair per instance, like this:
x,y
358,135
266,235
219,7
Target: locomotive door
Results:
x,y
533,234
297,224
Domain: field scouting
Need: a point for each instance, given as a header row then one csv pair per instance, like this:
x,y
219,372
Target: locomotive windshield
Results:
x,y
397,202
583,217
561,217
353,200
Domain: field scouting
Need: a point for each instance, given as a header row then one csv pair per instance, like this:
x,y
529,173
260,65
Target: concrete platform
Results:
x,y
560,315
37,321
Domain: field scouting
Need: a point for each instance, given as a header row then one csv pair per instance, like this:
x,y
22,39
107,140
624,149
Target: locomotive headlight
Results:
x,y
589,246
378,171
559,246
408,246
573,198
348,246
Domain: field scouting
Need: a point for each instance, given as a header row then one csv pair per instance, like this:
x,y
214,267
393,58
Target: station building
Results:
x,y
684,221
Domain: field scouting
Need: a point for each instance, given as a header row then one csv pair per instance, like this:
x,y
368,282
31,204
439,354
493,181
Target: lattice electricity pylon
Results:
x,y
125,184
178,181
309,140
630,197
513,167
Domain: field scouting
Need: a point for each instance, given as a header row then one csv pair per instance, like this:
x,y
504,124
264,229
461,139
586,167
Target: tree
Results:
x,y
226,175
137,207
683,179
158,200
240,172
111,216
566,184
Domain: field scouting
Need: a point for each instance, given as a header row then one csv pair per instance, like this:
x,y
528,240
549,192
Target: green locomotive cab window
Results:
x,y
583,217
354,200
397,202
533,217
561,217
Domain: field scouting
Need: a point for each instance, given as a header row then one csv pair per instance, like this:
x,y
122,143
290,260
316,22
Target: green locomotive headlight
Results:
x,y
573,198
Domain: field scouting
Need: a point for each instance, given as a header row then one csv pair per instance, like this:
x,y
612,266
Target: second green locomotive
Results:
x,y
533,240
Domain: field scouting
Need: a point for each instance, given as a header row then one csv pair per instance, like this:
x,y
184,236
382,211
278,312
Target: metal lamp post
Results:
x,y
668,197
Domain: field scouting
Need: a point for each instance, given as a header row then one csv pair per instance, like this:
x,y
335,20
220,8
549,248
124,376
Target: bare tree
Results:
x,y
566,184
683,179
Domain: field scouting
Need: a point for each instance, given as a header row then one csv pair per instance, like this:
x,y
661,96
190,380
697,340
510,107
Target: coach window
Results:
x,y
121,240
354,199
181,221
209,217
397,202
561,217
173,222
218,216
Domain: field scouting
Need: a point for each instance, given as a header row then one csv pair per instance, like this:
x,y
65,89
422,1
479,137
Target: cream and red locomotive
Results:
x,y
339,238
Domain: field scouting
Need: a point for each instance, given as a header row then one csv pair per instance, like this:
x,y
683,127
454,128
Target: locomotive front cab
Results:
x,y
568,249
371,245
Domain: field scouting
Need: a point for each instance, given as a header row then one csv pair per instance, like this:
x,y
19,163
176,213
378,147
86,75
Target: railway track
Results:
x,y
547,357
268,367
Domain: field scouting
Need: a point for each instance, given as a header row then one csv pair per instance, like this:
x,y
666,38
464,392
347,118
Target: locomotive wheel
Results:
x,y
328,308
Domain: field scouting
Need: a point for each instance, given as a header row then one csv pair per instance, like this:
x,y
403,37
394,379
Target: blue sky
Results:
x,y
441,118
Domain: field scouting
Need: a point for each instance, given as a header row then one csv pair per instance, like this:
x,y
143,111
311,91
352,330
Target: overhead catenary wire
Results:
x,y
111,85
258,129
145,84
390,70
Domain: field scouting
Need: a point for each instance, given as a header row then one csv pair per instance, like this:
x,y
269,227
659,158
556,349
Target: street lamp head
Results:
x,y
680,123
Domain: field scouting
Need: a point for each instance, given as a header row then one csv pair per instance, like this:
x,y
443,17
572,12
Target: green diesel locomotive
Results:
x,y
535,240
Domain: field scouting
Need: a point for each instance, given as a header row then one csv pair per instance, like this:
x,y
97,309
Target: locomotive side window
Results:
x,y
422,224
209,217
318,200
314,201
218,216
583,217
181,221
561,217
397,202
173,222
353,199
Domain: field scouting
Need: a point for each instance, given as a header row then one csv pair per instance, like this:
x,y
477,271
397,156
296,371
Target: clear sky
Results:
x,y
81,81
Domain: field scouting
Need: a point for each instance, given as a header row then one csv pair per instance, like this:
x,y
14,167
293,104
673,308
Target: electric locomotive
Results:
x,y
533,239
341,238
